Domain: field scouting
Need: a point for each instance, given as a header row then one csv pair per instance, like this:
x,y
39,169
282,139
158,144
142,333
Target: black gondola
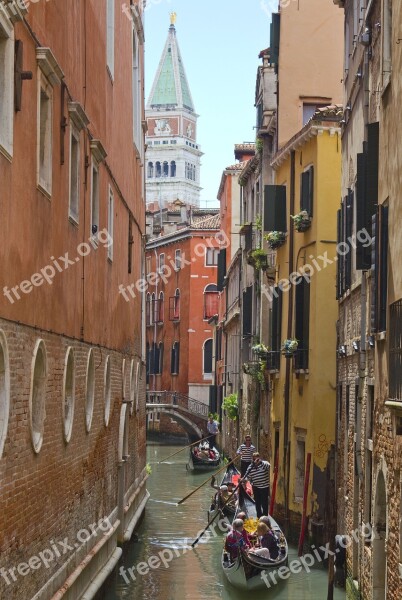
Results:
x,y
202,462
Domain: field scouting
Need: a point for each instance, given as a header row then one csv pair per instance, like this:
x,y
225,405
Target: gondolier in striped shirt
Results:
x,y
258,474
246,452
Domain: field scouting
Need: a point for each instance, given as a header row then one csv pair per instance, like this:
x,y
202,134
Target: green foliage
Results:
x,y
258,222
289,346
302,220
275,239
148,469
257,258
259,145
231,407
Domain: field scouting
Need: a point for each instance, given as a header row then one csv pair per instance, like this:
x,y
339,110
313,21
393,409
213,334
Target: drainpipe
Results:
x,y
286,441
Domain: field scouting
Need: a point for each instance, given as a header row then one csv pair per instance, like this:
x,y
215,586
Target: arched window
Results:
x,y
90,391
186,170
160,356
194,172
69,393
150,170
208,357
153,307
173,169
4,390
211,301
166,169
38,395
174,306
175,359
148,310
158,171
161,308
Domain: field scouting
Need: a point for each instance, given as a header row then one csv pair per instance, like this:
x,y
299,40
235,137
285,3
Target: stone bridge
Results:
x,y
191,414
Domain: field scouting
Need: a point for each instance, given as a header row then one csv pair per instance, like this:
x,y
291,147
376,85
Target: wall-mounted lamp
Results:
x,y
359,74
342,351
356,345
371,341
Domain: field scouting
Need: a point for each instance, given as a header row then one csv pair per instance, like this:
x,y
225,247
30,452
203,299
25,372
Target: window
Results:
x,y
94,198
74,174
211,257
307,191
275,208
161,262
137,96
150,170
211,301
148,310
174,307
158,172
68,394
147,362
345,231
37,395
108,389
208,346
177,260
90,391
173,169
6,85
302,323
221,269
160,308
153,313
166,169
4,390
110,221
395,352
110,36
275,328
379,270
175,359
300,468
160,357
45,153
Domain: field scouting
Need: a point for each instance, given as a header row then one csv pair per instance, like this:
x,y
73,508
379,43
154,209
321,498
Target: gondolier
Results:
x,y
258,474
246,452
213,430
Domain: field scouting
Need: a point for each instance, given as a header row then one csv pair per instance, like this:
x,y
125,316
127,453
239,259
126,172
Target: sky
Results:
x,y
219,42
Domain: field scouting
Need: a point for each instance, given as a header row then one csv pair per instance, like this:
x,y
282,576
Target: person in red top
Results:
x,y
237,539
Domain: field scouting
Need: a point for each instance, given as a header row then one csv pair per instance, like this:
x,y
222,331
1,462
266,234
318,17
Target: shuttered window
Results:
x,y
379,275
302,324
274,40
175,359
307,191
275,208
274,357
348,236
247,311
395,351
221,268
339,288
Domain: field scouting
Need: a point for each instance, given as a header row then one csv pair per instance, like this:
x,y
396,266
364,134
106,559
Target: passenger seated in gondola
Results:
x,y
237,539
268,543
211,454
196,451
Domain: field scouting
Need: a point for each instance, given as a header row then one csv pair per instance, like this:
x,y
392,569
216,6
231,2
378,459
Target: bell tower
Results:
x,y
173,156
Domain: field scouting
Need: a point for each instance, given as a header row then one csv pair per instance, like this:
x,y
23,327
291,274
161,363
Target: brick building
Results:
x,y
369,291
72,383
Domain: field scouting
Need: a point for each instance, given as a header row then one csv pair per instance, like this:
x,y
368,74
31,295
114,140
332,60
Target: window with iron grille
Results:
x,y
211,301
302,323
174,307
395,351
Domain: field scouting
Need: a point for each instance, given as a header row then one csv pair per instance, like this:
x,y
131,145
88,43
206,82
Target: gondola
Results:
x,y
245,572
231,475
200,461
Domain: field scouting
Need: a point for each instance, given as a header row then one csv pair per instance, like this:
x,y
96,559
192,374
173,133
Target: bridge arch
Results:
x,y
193,429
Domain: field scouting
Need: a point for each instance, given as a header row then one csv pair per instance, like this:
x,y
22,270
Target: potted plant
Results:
x,y
289,347
257,258
302,220
275,239
231,407
260,349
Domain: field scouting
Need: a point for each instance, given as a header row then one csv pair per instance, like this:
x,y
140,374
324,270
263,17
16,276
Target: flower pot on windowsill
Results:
x,y
289,348
258,259
302,221
288,354
275,239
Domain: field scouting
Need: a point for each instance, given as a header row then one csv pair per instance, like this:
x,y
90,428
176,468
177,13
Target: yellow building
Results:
x,y
304,308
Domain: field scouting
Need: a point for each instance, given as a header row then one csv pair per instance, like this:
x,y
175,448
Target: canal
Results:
x,y
191,574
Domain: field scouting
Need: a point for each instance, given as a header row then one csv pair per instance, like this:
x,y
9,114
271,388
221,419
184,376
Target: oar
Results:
x,y
181,449
213,518
206,481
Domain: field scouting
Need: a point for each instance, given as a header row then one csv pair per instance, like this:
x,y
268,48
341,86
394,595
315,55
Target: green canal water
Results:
x,y
193,574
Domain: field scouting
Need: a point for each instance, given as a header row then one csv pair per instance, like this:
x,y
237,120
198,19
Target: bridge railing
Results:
x,y
180,400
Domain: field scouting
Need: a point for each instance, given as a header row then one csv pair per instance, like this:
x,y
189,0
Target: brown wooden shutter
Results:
x,y
275,208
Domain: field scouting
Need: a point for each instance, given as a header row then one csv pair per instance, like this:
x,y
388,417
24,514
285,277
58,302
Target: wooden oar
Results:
x,y
181,449
206,481
213,518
